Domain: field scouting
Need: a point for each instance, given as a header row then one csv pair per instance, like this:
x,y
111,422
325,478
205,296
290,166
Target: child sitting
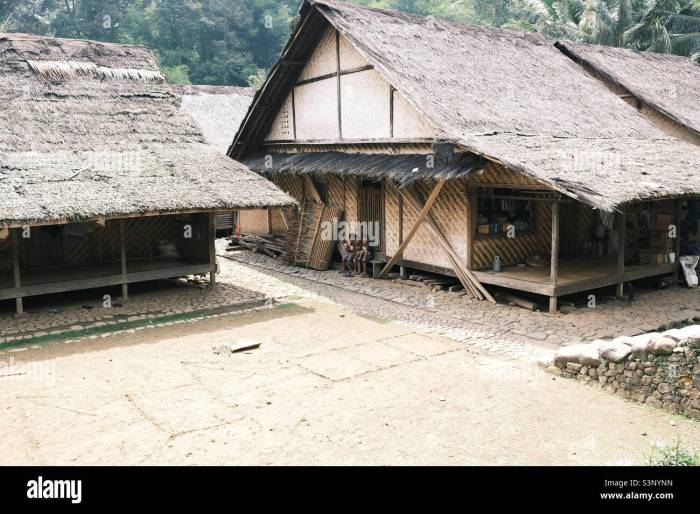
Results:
x,y
348,258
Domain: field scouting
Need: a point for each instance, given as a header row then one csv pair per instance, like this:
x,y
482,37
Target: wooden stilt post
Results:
x,y
554,262
677,222
122,246
471,200
15,267
621,236
212,247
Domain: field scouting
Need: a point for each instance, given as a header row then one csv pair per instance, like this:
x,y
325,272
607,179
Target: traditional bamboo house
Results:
x,y
664,88
103,181
468,145
219,111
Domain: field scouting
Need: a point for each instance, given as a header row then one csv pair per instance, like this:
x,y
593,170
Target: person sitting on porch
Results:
x,y
364,255
348,258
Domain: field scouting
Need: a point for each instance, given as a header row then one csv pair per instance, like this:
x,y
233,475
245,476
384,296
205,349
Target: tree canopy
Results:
x,y
234,42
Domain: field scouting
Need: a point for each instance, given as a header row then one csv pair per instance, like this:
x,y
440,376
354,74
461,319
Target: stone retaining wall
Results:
x,y
662,370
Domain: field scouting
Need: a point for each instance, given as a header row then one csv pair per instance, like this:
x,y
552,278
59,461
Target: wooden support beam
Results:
x,y
621,243
212,247
340,102
422,214
15,267
469,281
122,246
677,221
554,259
472,213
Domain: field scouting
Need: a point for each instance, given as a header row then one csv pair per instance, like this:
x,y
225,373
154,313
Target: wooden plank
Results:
x,y
16,269
554,259
422,214
122,246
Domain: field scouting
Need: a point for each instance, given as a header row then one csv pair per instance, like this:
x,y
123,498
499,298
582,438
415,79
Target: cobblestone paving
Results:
x,y
507,330
180,298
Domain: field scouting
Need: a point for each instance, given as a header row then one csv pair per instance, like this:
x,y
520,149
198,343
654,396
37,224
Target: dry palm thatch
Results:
x,y
90,129
511,97
217,110
667,83
404,169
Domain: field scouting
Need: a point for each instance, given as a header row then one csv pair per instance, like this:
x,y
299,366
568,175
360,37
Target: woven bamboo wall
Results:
x,y
254,221
352,188
515,250
450,213
336,192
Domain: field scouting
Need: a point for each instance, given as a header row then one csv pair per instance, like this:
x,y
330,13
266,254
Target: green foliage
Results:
x,y
673,455
233,42
666,26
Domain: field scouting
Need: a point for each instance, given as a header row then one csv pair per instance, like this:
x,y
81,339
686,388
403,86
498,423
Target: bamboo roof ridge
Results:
x,y
511,97
91,129
669,83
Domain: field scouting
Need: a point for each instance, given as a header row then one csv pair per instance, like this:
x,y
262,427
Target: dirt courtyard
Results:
x,y
327,386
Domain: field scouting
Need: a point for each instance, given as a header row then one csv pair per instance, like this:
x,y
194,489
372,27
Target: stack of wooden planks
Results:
x,y
271,245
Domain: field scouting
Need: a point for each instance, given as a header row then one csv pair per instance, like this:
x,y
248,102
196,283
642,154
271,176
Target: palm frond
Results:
x,y
686,44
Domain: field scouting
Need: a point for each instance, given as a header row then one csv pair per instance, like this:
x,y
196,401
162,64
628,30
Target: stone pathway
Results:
x,y
505,329
180,298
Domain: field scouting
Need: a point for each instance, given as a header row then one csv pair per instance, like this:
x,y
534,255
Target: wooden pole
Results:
x,y
122,246
554,261
212,247
421,216
16,268
677,221
471,200
621,236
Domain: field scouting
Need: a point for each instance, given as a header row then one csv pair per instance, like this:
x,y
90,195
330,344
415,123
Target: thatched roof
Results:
x,y
668,83
91,129
217,110
510,96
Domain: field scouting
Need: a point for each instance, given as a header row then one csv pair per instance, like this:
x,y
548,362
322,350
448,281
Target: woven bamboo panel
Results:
x,y
496,174
320,257
586,223
142,234
277,221
336,192
291,184
253,221
515,250
450,214
352,187
391,220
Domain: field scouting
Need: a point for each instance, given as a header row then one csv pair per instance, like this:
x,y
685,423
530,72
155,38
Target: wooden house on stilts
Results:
x,y
103,181
466,144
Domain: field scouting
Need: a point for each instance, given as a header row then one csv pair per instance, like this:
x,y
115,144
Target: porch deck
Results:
x,y
576,274
61,280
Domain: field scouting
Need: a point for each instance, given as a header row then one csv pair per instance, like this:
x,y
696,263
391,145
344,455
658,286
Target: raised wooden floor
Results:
x,y
576,274
38,282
